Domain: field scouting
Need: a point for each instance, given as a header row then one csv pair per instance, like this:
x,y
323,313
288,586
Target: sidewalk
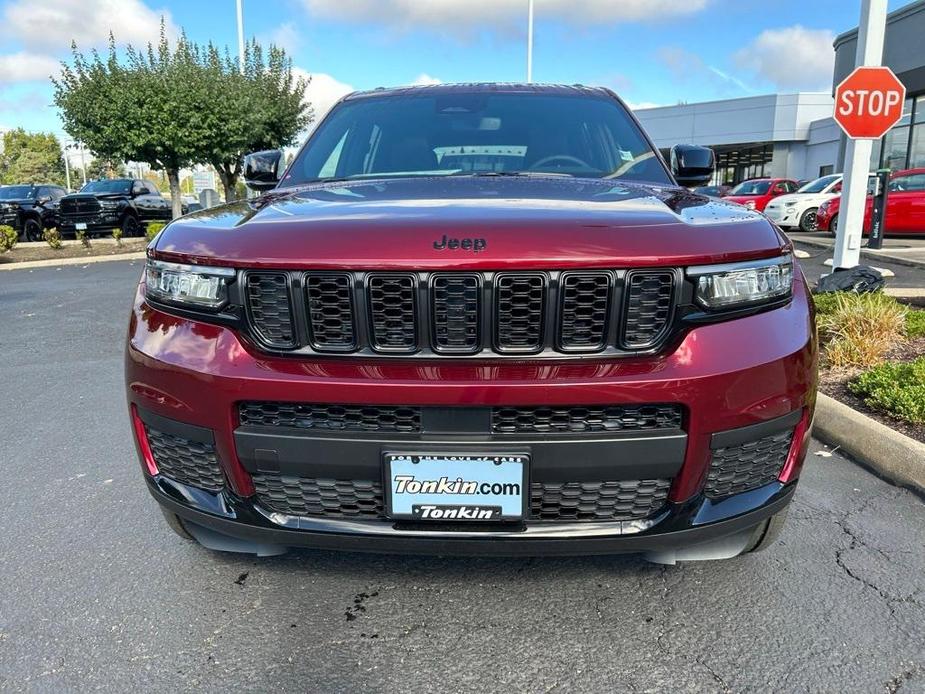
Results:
x,y
901,250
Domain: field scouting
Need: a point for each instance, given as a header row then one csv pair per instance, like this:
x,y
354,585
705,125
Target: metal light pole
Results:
x,y
241,35
67,170
529,41
871,30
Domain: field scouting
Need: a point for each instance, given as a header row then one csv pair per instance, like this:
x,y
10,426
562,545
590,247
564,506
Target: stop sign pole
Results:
x,y
871,31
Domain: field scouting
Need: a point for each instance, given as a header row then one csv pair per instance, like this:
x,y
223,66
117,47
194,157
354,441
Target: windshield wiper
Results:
x,y
524,174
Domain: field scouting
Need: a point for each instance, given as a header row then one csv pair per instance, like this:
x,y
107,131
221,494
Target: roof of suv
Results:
x,y
495,87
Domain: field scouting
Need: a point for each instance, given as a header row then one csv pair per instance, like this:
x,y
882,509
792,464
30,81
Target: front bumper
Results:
x,y
738,376
784,217
103,221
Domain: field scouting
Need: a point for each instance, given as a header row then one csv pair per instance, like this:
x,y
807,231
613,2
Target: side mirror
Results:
x,y
692,165
263,170
43,199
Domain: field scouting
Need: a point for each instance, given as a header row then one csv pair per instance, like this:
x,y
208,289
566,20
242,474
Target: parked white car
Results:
x,y
799,209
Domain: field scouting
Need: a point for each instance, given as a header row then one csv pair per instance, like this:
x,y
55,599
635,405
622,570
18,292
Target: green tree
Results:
x,y
261,107
145,108
31,158
101,167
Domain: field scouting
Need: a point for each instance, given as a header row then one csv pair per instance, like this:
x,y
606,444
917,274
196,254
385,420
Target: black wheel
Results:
x,y
32,230
808,220
768,532
833,225
173,520
130,226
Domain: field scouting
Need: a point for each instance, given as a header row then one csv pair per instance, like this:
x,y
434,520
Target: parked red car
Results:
x,y
475,319
756,193
905,206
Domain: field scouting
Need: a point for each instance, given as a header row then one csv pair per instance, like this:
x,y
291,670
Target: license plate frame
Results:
x,y
470,468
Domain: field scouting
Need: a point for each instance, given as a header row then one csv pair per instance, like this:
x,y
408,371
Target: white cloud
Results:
x,y
285,36
51,25
791,57
323,91
27,67
424,79
689,68
465,15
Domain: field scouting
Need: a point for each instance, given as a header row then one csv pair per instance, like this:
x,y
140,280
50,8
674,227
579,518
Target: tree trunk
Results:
x,y
173,177
229,179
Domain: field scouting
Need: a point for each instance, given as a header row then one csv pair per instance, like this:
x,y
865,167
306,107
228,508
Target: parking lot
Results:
x,y
97,593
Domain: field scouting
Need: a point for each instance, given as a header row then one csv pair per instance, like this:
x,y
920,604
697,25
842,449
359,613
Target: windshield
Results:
x,y
118,185
17,192
467,133
751,188
819,184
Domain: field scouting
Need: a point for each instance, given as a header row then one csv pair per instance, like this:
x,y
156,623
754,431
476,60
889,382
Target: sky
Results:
x,y
651,52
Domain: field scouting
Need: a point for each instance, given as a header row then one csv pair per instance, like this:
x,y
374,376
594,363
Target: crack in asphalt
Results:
x,y
896,683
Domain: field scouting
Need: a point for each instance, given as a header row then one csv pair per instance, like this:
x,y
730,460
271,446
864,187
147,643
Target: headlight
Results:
x,y
743,284
750,204
191,285
109,204
790,203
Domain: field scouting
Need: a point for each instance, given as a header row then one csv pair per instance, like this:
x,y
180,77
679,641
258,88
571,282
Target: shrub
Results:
x,y
897,388
915,324
117,235
826,303
52,238
857,330
83,238
8,238
152,229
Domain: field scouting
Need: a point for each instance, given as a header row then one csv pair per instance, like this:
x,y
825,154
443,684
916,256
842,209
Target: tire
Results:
x,y
130,226
32,230
175,524
808,220
833,225
767,533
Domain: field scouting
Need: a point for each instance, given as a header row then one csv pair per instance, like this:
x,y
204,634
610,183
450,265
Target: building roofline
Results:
x,y
738,98
894,16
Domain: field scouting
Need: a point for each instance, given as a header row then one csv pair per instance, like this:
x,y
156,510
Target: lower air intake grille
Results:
x,y
392,310
331,417
187,462
307,496
748,466
565,420
270,311
648,308
626,500
569,501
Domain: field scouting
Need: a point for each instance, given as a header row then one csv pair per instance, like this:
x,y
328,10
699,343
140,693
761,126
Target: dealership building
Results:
x,y
794,135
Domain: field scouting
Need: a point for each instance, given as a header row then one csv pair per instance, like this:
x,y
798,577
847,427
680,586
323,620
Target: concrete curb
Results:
x,y
867,254
894,456
53,262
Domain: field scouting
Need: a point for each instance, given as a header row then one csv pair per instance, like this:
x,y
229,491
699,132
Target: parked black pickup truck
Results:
x,y
30,208
121,203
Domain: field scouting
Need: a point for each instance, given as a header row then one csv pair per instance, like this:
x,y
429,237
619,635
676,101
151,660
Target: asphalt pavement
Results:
x,y
97,594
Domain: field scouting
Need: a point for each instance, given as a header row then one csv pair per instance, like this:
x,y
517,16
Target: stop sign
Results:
x,y
869,102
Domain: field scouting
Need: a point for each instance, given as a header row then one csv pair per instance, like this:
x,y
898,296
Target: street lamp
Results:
x,y
529,41
241,35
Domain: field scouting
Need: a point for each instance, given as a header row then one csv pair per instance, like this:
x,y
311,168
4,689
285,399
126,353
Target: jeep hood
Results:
x,y
546,222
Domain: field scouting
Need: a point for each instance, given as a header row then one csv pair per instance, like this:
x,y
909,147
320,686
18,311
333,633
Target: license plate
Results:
x,y
433,487
80,226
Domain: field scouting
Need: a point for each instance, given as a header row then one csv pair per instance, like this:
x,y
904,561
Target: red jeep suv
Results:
x,y
476,319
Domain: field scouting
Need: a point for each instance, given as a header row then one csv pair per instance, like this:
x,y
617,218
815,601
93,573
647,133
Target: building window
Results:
x,y
826,170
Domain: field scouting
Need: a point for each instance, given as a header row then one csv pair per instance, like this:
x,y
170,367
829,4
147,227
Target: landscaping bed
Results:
x,y
25,252
873,359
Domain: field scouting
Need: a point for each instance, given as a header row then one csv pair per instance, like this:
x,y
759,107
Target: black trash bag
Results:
x,y
860,279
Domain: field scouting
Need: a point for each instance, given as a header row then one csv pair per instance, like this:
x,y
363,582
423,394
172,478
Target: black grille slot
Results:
x,y
584,311
737,469
520,302
330,312
649,298
307,496
188,462
592,419
392,313
270,308
590,501
331,417
456,313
